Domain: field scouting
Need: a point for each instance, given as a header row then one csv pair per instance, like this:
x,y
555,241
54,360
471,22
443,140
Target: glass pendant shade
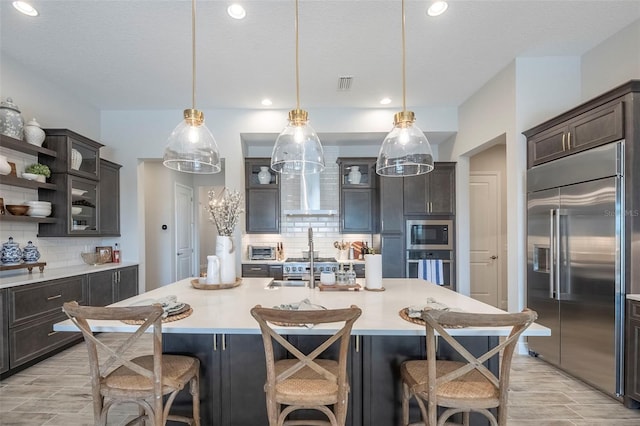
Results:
x,y
297,150
405,151
191,147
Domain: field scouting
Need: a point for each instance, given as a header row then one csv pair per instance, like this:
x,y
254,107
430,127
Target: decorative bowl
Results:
x,y
17,209
76,210
93,258
78,192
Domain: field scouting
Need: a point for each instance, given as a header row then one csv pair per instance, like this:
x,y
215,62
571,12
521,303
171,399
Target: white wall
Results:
x,y
613,62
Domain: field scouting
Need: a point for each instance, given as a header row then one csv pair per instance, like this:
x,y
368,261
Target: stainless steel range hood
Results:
x,y
310,198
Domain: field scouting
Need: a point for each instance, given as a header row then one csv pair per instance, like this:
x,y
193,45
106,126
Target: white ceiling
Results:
x,y
137,54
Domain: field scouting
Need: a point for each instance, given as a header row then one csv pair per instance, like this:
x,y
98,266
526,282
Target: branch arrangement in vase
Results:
x,y
224,210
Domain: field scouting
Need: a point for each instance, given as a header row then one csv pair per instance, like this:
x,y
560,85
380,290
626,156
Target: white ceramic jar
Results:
x,y
5,167
264,177
33,133
355,175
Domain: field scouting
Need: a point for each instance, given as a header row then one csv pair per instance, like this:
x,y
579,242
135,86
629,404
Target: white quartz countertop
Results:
x,y
227,311
18,277
634,297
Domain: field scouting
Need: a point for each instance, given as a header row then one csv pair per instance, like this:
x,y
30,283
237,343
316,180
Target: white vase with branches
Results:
x,y
224,211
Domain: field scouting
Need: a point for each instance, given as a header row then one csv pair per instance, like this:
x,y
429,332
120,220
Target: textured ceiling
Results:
x,y
137,54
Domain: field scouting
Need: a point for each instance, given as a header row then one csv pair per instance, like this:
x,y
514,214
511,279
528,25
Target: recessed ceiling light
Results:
x,y
437,8
385,101
236,11
25,8
267,102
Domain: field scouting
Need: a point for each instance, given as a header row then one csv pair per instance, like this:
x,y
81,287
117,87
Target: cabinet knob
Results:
x,y
494,257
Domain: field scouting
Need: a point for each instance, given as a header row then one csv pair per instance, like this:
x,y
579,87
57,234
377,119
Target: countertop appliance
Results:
x,y
429,234
262,252
575,232
297,268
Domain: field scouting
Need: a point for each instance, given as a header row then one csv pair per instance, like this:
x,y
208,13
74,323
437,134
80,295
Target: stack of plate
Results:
x,y
39,208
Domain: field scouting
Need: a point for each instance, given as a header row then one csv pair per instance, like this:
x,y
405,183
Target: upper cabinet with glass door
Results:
x,y
77,155
357,172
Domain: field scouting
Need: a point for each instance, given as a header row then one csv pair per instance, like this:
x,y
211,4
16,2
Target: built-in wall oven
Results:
x,y
429,234
415,257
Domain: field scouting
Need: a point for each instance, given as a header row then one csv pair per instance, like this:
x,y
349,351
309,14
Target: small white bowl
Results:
x,y
78,192
76,210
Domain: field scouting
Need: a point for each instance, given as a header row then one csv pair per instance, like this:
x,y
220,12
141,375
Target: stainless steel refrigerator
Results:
x,y
574,263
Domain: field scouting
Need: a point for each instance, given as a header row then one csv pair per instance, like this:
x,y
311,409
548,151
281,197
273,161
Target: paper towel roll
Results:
x,y
373,271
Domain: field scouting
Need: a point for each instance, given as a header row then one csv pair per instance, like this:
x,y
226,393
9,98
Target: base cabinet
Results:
x,y
32,311
111,286
28,313
233,373
4,333
632,365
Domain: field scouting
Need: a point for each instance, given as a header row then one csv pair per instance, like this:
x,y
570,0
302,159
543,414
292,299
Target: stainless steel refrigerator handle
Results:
x,y
552,252
556,279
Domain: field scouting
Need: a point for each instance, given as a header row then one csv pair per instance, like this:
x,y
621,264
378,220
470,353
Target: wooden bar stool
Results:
x,y
142,380
306,382
461,387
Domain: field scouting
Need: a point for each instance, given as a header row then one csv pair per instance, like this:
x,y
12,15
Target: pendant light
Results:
x,y
191,147
405,151
297,150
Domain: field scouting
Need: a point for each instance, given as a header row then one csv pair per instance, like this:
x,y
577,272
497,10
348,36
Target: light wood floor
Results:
x,y
57,392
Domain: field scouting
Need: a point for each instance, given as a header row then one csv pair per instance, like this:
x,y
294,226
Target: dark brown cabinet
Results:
x,y
4,333
33,309
358,195
262,270
391,202
262,211
431,193
393,258
589,129
111,286
109,202
87,197
632,355
77,155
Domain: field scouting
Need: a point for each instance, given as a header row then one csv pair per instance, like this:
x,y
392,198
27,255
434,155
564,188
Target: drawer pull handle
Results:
x,y
54,297
256,268
52,333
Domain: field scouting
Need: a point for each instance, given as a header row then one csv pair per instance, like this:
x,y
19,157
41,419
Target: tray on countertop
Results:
x,y
203,286
336,287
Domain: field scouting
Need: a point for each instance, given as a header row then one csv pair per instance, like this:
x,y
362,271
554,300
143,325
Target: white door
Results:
x,y
485,220
184,227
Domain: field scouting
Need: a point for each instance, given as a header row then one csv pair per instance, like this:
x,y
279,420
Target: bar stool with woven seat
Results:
x,y
306,382
461,387
143,380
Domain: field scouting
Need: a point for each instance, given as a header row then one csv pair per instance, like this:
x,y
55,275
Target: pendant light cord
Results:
x,y
404,71
193,53
298,62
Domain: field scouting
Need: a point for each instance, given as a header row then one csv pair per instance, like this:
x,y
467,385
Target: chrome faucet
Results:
x,y
312,281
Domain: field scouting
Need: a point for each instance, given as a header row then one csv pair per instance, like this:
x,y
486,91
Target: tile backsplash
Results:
x,y
294,229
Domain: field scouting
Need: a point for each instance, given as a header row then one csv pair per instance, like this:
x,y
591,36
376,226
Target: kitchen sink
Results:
x,y
284,283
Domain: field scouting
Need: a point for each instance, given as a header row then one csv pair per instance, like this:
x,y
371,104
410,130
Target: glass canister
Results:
x,y
11,122
11,253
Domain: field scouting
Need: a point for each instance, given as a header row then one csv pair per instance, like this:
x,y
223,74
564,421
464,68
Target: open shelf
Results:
x,y
24,146
25,183
12,218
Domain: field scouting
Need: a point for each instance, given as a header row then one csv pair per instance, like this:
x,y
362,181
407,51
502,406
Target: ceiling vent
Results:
x,y
344,83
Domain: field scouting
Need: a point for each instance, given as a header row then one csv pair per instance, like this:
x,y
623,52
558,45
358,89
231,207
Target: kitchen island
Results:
x,y
226,338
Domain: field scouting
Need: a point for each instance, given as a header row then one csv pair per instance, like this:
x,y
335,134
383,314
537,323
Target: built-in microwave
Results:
x,y
428,234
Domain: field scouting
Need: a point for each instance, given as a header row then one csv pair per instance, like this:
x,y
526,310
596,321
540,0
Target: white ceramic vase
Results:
x,y
227,254
264,177
76,159
355,175
33,133
5,168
